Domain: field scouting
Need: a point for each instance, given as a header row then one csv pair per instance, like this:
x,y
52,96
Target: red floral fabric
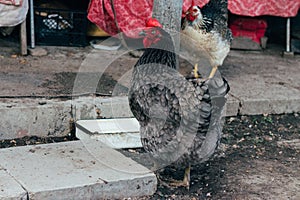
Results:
x,y
132,14
282,8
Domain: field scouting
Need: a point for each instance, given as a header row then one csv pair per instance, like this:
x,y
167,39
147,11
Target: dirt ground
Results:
x,y
258,159
259,156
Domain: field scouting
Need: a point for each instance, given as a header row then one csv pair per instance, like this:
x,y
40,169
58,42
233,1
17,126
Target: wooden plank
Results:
x,y
23,38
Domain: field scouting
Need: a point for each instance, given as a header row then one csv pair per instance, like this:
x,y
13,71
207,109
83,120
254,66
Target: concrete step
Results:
x,y
85,169
43,117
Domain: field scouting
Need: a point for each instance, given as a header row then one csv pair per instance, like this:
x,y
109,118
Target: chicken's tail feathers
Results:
x,y
223,4
217,6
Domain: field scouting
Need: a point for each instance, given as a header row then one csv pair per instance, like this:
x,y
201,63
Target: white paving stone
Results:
x,y
116,133
10,189
77,170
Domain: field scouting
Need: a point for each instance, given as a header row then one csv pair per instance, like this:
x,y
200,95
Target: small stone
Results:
x,y
268,138
231,119
38,51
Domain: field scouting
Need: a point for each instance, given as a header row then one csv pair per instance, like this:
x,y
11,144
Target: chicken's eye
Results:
x,y
153,32
195,10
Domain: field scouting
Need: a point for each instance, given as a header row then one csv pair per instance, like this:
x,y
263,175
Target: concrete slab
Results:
x,y
77,170
263,83
97,107
22,117
10,189
44,117
232,106
259,96
116,133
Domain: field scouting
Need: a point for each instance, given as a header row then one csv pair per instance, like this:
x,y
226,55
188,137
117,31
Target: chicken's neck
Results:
x,y
160,53
202,23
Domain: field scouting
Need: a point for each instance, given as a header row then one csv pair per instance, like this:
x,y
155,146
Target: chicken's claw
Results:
x,y
178,183
185,182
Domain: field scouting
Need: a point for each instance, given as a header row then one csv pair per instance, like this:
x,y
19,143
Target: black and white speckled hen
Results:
x,y
174,113
208,28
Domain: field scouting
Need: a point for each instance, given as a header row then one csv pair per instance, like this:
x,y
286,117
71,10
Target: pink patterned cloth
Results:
x,y
132,14
282,8
12,2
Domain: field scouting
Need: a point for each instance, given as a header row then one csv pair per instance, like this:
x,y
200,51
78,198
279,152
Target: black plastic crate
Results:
x,y
56,27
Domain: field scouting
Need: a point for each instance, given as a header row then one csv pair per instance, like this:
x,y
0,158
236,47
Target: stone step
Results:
x,y
85,169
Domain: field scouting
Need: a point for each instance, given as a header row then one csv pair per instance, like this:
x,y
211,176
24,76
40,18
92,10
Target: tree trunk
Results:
x,y
168,12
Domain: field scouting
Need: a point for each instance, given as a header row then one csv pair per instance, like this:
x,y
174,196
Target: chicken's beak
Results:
x,y
142,33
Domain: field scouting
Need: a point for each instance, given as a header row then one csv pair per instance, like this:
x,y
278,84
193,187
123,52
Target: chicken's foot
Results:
x,y
183,183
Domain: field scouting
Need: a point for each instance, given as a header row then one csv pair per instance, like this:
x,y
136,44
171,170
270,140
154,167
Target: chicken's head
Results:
x,y
152,32
193,13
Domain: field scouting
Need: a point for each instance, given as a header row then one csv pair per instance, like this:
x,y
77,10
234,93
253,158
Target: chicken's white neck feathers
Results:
x,y
210,42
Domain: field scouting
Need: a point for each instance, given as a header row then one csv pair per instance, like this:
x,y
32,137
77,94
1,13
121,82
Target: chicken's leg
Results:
x,y
213,71
195,71
186,179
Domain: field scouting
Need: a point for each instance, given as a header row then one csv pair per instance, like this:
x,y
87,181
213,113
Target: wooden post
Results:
x,y
23,38
168,12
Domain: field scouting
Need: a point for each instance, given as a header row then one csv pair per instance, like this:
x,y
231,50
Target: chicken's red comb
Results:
x,y
193,3
152,22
